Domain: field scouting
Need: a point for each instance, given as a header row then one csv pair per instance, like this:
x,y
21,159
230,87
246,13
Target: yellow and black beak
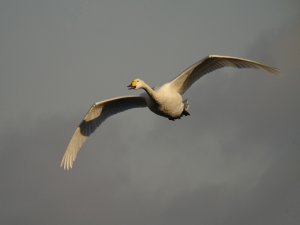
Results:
x,y
132,85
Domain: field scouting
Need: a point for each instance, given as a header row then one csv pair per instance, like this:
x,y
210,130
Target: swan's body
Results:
x,y
165,100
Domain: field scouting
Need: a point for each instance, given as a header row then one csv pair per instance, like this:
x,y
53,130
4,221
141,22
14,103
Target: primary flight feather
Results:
x,y
165,100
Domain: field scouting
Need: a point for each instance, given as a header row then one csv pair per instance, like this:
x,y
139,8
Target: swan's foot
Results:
x,y
185,111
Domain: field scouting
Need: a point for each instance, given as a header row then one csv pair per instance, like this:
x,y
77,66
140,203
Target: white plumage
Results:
x,y
165,100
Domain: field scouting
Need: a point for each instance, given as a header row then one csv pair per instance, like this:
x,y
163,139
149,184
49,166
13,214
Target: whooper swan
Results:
x,y
165,100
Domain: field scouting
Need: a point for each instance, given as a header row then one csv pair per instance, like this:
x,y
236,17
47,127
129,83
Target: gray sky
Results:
x,y
234,161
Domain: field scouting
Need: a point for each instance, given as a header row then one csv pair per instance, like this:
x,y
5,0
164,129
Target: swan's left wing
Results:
x,y
213,62
94,117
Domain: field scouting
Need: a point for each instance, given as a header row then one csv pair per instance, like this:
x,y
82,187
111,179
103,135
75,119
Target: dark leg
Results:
x,y
186,108
185,113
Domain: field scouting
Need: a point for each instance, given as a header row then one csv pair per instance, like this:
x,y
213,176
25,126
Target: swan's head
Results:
x,y
136,84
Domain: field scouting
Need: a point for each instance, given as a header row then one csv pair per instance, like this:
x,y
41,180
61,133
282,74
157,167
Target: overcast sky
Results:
x,y
235,160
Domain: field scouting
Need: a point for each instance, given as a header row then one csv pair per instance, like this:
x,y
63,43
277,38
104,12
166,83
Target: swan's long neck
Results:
x,y
149,91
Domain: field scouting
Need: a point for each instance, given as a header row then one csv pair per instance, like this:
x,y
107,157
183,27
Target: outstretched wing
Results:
x,y
94,117
213,62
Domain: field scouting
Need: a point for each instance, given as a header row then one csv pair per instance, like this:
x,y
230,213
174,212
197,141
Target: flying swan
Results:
x,y
165,100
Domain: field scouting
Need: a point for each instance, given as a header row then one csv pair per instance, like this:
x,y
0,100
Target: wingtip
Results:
x,y
66,164
275,71
66,167
269,69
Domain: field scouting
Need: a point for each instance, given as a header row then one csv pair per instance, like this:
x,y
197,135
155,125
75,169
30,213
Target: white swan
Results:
x,y
165,100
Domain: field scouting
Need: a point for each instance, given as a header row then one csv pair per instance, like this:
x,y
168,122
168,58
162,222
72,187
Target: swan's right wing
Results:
x,y
94,117
213,62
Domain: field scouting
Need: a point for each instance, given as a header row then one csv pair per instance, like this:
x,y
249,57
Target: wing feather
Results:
x,y
93,118
213,62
